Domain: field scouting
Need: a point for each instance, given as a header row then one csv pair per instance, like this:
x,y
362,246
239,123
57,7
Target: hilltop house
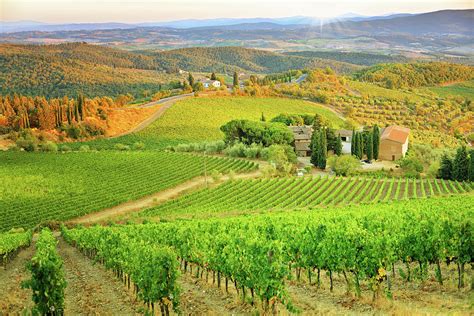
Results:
x,y
393,143
207,83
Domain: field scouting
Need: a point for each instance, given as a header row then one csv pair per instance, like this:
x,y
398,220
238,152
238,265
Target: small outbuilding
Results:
x,y
393,143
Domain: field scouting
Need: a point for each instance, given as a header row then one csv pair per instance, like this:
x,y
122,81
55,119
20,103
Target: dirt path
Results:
x,y
14,299
91,289
167,103
199,298
153,200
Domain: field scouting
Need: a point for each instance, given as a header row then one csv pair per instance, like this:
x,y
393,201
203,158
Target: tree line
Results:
x,y
19,112
459,168
395,76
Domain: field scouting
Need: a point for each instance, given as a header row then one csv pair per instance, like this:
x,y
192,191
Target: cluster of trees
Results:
x,y
296,119
461,168
256,132
394,76
323,139
21,112
366,143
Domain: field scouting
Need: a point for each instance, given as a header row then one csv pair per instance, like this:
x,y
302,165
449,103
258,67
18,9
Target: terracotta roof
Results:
x,y
395,133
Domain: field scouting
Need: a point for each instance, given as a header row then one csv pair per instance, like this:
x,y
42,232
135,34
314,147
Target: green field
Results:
x,y
243,196
35,187
199,119
462,89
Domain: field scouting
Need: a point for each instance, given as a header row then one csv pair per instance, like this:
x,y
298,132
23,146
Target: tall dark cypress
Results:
x,y
461,165
376,141
315,145
353,142
370,150
360,149
446,168
323,149
471,165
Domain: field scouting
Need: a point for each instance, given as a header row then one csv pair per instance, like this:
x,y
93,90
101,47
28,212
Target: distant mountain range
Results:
x,y
24,26
447,32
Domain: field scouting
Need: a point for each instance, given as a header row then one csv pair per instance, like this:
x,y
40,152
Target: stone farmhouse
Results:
x,y
393,141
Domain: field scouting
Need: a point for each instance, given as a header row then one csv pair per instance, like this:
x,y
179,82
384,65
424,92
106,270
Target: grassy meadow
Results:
x,y
199,119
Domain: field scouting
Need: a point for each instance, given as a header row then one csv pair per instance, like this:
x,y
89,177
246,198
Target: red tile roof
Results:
x,y
396,133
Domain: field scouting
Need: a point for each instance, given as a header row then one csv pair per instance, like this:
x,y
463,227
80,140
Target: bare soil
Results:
x,y
14,299
92,290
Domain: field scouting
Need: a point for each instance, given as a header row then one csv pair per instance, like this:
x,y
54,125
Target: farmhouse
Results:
x,y
393,143
346,140
302,135
211,83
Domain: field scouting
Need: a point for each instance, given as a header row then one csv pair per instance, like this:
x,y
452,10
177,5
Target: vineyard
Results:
x,y
38,187
302,193
199,119
426,111
259,255
11,243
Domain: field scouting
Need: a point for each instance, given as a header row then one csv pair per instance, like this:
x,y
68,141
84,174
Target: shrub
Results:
x,y
138,146
93,127
344,165
84,148
121,147
73,131
27,141
237,150
65,148
49,147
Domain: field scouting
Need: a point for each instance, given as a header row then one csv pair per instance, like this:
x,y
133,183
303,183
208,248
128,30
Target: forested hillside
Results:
x,y
67,69
358,58
58,70
394,76
229,59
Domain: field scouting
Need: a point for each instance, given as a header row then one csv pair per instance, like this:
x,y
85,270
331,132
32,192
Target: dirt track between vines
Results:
x,y
154,199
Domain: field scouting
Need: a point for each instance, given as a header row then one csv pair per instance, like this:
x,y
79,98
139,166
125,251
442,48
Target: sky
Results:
x,y
130,11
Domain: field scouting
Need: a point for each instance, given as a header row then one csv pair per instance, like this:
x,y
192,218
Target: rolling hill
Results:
x,y
229,59
66,69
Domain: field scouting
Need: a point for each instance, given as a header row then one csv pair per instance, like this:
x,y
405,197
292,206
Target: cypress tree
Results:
x,y
376,141
323,149
338,145
315,145
461,165
446,168
471,165
353,142
360,148
370,150
191,79
236,79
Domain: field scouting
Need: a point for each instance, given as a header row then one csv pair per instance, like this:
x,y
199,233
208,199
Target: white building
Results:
x,y
211,83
